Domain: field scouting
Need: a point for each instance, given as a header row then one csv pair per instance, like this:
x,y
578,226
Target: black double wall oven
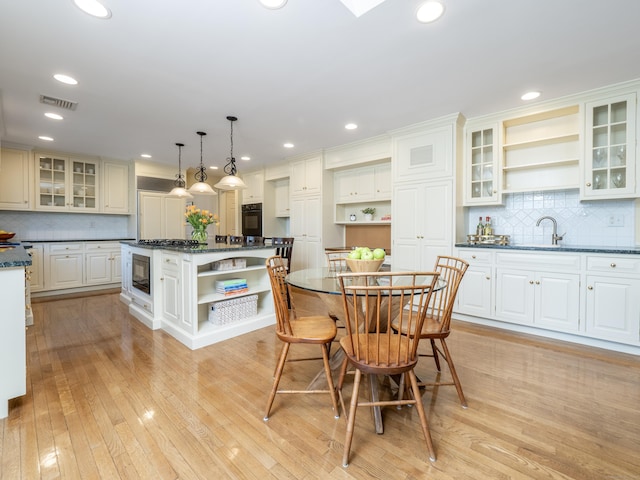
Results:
x,y
252,219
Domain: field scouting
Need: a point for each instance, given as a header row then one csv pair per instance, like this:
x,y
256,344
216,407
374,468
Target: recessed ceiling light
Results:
x,y
530,95
288,145
53,116
273,4
145,155
351,126
245,158
65,79
429,12
45,138
93,8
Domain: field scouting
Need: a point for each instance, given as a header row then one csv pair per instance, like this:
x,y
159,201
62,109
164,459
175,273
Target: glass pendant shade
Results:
x,y
201,187
179,190
231,181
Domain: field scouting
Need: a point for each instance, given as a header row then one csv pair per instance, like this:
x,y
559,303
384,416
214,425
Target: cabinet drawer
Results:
x,y
101,246
476,256
169,260
537,261
65,247
614,264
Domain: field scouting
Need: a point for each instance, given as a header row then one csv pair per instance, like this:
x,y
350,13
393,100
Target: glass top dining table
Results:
x,y
322,280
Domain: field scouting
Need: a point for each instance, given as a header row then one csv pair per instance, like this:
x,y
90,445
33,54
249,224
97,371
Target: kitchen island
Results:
x,y
13,360
176,289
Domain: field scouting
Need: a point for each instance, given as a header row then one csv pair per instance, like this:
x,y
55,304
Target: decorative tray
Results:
x,y
488,239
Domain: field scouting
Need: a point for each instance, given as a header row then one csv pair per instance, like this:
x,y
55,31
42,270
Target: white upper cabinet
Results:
x,y
64,183
115,188
306,176
610,148
481,186
14,179
254,193
354,185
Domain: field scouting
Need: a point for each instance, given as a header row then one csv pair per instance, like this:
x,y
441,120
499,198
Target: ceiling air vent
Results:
x,y
58,102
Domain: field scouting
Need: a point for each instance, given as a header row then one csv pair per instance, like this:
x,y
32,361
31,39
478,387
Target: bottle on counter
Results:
x,y
480,227
488,230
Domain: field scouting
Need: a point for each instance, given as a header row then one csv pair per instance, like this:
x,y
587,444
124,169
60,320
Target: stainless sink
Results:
x,y
546,245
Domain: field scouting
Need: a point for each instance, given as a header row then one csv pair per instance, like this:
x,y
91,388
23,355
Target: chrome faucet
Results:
x,y
554,236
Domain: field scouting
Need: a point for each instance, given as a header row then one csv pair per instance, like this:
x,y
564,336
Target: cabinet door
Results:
x,y
515,296
475,292
98,267
424,155
36,277
306,176
115,188
436,211
173,218
406,226
613,308
65,271
254,193
171,295
51,182
382,181
84,187
557,301
481,167
161,216
116,266
306,228
610,164
354,185
281,193
14,179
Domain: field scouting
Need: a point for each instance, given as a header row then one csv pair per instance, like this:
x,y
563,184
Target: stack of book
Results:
x,y
232,286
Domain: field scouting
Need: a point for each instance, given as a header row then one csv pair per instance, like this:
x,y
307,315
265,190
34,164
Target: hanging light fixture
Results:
x,y
230,181
201,187
179,190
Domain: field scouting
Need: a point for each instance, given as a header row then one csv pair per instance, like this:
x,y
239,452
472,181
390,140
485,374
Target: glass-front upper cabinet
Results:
x,y
610,146
482,166
65,183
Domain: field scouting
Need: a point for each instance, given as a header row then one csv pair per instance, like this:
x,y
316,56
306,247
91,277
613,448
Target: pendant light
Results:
x,y
201,187
179,190
230,181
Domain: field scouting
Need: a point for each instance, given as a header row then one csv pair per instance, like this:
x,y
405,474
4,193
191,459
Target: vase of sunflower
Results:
x,y
200,220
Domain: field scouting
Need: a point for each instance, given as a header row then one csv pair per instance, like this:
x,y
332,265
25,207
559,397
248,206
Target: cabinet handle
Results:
x,y
473,256
537,282
488,277
613,265
161,278
589,287
530,282
588,184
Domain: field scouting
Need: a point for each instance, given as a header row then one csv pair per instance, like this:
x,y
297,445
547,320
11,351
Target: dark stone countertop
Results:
x,y
557,248
81,240
209,248
14,256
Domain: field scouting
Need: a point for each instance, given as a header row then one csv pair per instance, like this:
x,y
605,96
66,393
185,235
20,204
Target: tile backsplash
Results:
x,y
64,226
592,223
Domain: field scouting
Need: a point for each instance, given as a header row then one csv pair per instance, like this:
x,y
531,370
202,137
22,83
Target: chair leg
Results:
x,y
276,380
452,369
422,415
327,372
352,418
434,349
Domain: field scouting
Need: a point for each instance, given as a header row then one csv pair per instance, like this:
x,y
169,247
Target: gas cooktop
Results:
x,y
168,242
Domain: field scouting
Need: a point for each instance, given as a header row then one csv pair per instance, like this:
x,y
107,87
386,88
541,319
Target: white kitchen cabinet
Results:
x,y
382,186
36,270
422,225
281,197
425,151
481,174
613,300
102,263
475,294
66,184
306,228
65,265
539,289
610,148
115,188
171,287
544,299
254,193
306,176
15,166
161,216
354,185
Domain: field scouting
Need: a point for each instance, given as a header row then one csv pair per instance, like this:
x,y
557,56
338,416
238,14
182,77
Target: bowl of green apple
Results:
x,y
364,259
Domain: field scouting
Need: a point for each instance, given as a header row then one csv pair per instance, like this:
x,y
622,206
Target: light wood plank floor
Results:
x,y
108,398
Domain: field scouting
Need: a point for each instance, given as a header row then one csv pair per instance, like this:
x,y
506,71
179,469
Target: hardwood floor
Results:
x,y
108,398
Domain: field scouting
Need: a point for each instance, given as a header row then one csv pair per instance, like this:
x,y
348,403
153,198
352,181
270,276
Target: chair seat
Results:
x,y
381,351
313,329
432,327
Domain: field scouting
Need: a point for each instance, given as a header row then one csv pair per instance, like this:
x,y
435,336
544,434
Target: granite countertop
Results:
x,y
14,256
557,248
209,248
80,240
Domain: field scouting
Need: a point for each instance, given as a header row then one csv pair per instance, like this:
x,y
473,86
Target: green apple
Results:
x,y
354,254
378,253
366,255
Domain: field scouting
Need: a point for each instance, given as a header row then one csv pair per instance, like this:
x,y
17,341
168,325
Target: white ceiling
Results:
x,y
160,70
